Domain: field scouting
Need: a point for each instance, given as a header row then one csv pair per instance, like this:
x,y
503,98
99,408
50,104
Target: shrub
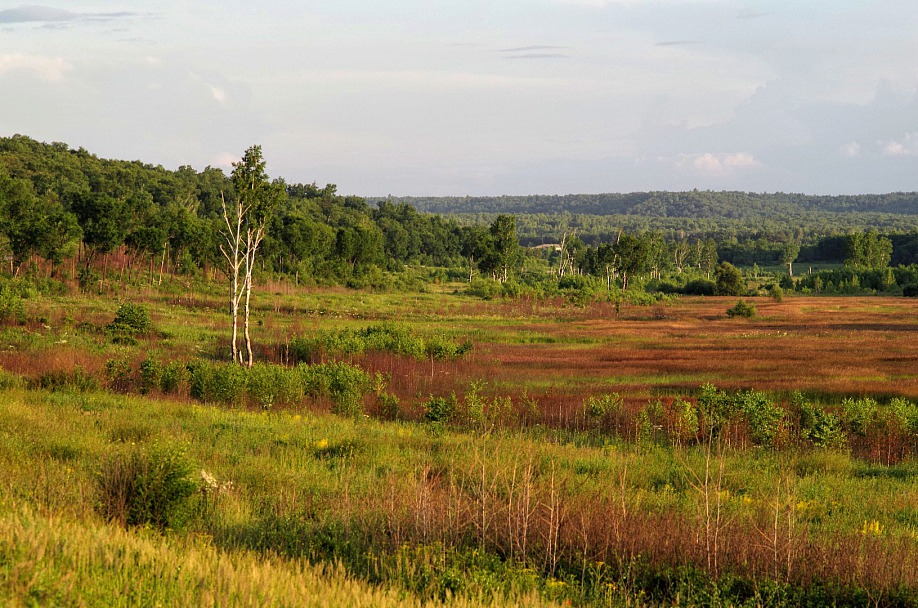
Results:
x,y
147,486
130,321
910,291
173,377
268,385
151,372
650,421
11,307
119,375
388,406
823,429
700,287
858,414
729,280
221,383
741,309
440,409
345,384
685,424
777,293
905,413
716,409
763,417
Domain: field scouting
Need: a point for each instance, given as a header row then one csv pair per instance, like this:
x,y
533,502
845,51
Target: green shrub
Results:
x,y
685,421
11,307
388,406
905,413
151,373
216,383
858,414
742,309
173,377
56,380
716,409
821,428
269,385
130,321
440,409
599,407
119,375
650,421
345,384
149,485
763,417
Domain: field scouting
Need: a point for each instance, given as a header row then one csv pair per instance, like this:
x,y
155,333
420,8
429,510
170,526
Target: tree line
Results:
x,y
58,203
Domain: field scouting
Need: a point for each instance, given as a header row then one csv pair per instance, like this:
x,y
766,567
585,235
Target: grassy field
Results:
x,y
526,489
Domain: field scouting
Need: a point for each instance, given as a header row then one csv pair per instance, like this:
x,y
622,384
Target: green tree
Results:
x,y
504,254
790,249
729,280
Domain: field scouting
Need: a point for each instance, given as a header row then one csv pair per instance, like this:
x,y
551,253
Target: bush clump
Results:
x,y
130,321
742,309
149,485
386,337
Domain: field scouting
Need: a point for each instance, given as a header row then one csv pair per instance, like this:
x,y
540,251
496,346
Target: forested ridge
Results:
x,y
60,203
697,204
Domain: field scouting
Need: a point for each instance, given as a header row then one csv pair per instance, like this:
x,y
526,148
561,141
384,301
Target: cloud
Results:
x,y
218,93
224,160
679,43
46,68
534,47
538,56
851,150
46,14
907,146
717,164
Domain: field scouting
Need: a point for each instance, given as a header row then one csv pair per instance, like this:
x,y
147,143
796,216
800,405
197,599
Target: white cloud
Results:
x,y
218,93
851,150
46,68
224,160
907,146
717,164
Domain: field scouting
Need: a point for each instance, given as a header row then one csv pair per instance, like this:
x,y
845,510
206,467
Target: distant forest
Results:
x,y
730,218
74,210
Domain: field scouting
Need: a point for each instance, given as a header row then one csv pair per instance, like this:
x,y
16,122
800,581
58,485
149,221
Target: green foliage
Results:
x,y
823,429
650,421
147,485
859,414
742,309
119,376
388,406
269,385
763,417
603,409
11,306
216,383
905,413
729,280
174,376
441,410
151,374
716,409
386,337
686,423
345,384
130,321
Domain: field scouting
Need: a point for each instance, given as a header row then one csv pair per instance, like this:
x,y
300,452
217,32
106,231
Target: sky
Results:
x,y
475,97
